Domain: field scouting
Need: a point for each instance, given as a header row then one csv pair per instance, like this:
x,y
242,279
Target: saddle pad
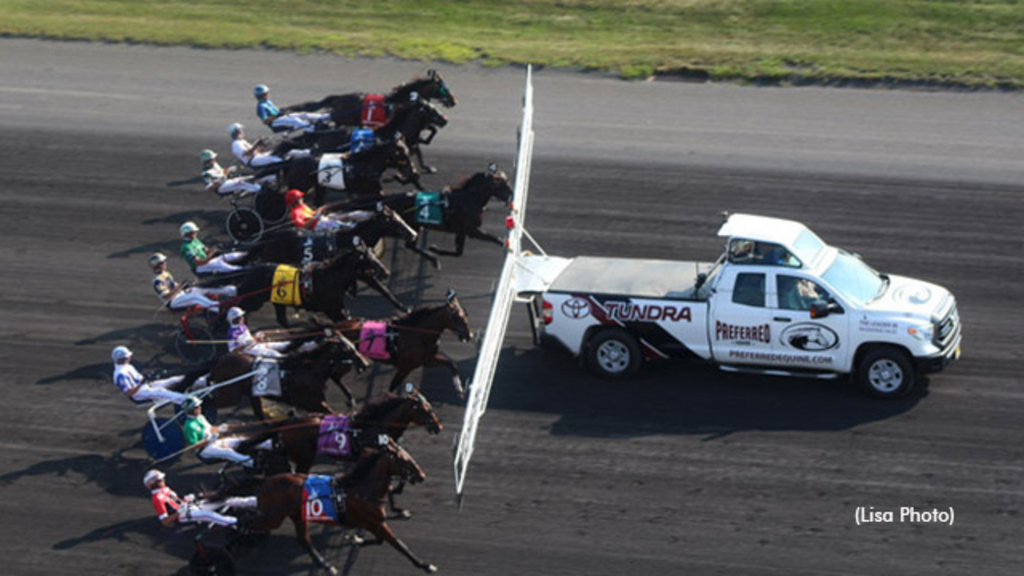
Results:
x,y
428,208
285,289
375,112
267,379
361,139
318,499
373,340
331,172
317,247
334,439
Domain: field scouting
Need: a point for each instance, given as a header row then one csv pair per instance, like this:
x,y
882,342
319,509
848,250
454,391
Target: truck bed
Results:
x,y
631,277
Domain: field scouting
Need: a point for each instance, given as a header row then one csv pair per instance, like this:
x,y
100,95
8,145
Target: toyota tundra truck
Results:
x,y
778,301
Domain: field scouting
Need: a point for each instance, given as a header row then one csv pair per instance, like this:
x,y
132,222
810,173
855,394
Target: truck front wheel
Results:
x,y
613,354
885,372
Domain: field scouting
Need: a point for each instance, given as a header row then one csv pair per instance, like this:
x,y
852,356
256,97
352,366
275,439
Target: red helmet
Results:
x,y
293,196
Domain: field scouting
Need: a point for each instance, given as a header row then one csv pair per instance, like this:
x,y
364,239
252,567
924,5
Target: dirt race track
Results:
x,y
684,470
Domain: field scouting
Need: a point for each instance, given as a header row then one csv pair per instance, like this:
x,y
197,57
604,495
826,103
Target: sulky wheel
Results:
x,y
244,225
173,439
210,560
194,346
270,206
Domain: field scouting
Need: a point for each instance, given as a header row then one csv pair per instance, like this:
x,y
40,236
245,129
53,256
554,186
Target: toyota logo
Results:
x,y
576,308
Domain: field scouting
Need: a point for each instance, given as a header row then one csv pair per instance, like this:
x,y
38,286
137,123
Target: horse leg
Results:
x,y
442,360
282,315
414,246
399,378
419,156
460,243
398,513
383,532
481,235
302,533
349,398
387,293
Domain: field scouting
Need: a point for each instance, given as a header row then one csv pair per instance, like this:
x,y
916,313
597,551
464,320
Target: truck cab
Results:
x,y
778,300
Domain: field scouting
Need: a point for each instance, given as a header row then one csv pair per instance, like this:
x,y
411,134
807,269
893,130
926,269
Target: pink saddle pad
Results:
x,y
373,340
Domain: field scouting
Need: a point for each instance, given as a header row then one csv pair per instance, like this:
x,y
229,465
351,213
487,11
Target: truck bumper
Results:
x,y
937,363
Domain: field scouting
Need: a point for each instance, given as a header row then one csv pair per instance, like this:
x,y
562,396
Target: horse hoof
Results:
x,y
332,570
357,540
431,569
437,263
402,515
429,170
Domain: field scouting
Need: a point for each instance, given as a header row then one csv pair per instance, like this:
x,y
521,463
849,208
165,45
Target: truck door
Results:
x,y
739,327
801,341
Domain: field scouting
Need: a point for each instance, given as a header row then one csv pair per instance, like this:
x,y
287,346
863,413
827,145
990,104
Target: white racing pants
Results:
x,y
242,184
202,511
222,263
196,296
157,390
299,121
224,449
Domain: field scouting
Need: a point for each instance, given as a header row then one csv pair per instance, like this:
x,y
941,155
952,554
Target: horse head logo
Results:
x,y
810,337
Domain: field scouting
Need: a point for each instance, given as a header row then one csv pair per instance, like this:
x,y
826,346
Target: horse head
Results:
x,y
400,464
417,410
457,320
341,349
429,115
497,184
431,87
361,262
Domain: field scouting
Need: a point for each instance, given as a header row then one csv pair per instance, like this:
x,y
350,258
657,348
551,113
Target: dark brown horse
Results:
x,y
320,287
412,339
362,491
417,122
289,246
304,384
347,109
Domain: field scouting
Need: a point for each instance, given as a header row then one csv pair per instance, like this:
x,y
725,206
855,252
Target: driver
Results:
x,y
199,430
241,339
306,218
177,297
171,508
128,379
203,260
273,117
252,155
222,181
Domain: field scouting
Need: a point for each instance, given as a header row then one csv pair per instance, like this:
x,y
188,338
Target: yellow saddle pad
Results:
x,y
286,286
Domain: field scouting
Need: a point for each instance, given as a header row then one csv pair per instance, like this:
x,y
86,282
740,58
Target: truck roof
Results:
x,y
763,229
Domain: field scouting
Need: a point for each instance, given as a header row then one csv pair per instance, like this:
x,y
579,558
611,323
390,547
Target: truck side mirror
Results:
x,y
701,279
820,309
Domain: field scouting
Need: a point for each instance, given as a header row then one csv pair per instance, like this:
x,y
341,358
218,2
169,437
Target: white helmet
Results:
x,y
207,155
152,476
260,90
157,258
235,129
188,228
120,353
191,403
235,313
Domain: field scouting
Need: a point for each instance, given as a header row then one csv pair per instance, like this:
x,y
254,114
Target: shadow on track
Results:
x,y
681,398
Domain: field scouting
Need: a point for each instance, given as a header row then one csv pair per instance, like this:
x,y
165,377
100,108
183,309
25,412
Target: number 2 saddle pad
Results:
x,y
334,438
318,500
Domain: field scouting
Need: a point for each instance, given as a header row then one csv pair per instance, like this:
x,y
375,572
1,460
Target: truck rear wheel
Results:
x,y
613,354
885,372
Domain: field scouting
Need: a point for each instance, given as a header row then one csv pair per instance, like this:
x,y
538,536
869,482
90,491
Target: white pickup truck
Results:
x,y
778,301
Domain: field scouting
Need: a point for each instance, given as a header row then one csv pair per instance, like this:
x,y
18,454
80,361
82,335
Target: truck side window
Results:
x,y
749,290
798,293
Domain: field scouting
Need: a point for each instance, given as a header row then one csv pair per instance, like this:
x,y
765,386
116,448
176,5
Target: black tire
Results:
x,y
885,372
613,353
209,560
244,225
270,206
198,349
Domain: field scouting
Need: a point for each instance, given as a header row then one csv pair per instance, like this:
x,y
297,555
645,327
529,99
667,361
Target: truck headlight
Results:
x,y
922,333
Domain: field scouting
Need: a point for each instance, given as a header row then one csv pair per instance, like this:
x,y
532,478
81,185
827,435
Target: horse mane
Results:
x,y
376,410
362,469
410,86
418,314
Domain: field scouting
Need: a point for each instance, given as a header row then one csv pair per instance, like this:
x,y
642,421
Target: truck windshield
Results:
x,y
853,279
807,247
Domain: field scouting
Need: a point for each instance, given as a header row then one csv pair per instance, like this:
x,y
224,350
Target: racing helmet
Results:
x,y
293,196
188,228
260,90
156,259
191,403
207,155
235,313
152,476
120,353
235,128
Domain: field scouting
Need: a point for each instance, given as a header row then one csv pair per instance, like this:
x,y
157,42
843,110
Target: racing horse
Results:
x,y
290,246
411,341
356,500
317,287
304,381
417,121
347,109
360,176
